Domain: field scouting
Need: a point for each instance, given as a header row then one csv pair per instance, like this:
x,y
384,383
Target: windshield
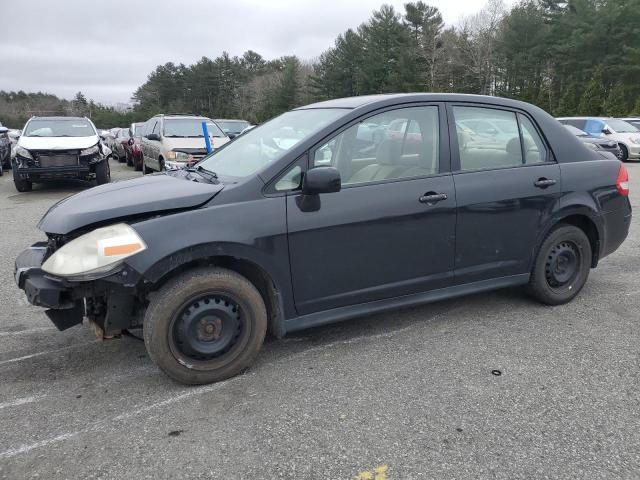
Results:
x,y
137,127
189,127
576,131
620,126
268,143
232,126
59,127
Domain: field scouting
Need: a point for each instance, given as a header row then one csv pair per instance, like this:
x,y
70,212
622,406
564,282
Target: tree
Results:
x,y
617,103
592,99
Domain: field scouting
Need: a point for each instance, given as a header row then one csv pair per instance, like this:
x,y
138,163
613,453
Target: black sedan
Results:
x,y
304,221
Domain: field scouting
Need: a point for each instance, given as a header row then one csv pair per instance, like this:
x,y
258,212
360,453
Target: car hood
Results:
x,y
117,201
598,140
57,143
189,143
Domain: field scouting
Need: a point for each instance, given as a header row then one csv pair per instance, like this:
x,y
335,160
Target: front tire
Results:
x,y
562,266
21,184
205,325
103,172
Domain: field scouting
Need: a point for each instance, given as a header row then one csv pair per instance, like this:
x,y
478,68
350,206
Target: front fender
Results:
x,y
254,231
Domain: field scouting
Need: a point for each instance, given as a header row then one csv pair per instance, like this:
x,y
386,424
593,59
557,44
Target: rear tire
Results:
x,y
624,156
562,266
21,184
146,170
103,172
205,325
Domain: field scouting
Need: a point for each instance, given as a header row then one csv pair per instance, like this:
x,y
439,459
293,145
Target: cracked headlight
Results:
x,y
89,151
23,152
95,252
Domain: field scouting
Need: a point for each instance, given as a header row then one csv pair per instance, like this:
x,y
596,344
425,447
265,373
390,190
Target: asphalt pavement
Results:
x,y
488,386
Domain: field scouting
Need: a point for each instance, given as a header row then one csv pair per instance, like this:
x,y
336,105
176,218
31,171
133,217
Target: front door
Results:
x,y
507,184
390,230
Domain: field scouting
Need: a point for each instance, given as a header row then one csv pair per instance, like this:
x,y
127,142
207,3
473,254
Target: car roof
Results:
x,y
230,120
60,117
364,100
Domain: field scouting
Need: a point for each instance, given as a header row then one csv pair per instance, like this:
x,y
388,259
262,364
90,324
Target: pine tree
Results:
x,y
617,104
568,105
592,100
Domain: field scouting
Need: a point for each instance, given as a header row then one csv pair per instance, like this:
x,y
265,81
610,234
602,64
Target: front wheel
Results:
x,y
103,172
562,266
21,184
205,325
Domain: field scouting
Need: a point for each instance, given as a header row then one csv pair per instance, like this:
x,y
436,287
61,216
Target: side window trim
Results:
x,y
444,160
269,189
453,137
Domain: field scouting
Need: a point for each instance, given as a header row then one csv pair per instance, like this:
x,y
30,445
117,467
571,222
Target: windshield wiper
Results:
x,y
208,174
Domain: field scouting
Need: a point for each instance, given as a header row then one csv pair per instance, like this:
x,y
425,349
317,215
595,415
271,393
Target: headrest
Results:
x,y
513,147
389,152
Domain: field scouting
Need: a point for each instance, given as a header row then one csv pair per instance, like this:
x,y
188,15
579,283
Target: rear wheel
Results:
x,y
205,325
146,170
21,184
103,172
624,153
562,266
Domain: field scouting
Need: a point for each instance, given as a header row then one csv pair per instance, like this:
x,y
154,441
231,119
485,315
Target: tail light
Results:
x,y
622,182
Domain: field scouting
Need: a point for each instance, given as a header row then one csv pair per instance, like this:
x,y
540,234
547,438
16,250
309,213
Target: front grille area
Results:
x,y
60,160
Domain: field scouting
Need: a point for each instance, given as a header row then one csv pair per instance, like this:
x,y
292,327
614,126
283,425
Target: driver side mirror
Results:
x,y
153,136
321,180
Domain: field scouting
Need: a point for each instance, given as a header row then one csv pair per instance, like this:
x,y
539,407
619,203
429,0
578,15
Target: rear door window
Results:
x,y
490,138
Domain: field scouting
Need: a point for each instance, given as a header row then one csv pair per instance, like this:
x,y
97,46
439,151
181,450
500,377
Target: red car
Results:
x,y
132,148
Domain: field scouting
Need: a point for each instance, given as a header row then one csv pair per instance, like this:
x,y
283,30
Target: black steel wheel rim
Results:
x,y
207,328
563,265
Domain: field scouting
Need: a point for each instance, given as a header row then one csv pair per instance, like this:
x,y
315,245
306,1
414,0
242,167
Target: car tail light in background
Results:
x,y
622,182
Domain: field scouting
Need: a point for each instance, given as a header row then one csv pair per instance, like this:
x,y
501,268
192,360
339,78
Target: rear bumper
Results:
x,y
616,228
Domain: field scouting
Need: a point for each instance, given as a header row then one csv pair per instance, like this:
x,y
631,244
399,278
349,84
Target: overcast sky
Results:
x,y
106,49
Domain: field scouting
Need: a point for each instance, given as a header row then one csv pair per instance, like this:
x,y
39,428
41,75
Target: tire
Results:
x,y
562,266
21,184
103,172
224,309
129,160
161,164
625,153
146,170
137,165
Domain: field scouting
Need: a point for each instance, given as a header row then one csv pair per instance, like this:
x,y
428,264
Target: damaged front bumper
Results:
x,y
110,302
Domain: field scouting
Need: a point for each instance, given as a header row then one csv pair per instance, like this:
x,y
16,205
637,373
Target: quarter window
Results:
x,y
532,145
400,143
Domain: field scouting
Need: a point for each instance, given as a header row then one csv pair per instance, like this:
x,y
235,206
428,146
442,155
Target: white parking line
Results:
x,y
25,332
202,390
102,423
46,352
21,401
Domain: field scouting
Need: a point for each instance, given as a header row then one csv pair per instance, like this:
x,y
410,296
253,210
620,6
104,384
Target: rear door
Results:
x,y
390,230
507,183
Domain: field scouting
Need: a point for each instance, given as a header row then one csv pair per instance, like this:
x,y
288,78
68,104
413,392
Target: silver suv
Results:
x,y
175,141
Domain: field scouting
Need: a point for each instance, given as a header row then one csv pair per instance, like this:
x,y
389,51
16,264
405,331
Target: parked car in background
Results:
x,y
635,121
302,225
133,148
122,139
177,141
5,148
232,128
52,148
626,135
108,138
603,145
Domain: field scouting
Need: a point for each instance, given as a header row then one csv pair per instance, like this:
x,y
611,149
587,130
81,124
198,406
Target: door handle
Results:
x,y
432,197
544,182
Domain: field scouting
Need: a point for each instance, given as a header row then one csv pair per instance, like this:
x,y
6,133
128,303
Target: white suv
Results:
x,y
626,135
175,141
